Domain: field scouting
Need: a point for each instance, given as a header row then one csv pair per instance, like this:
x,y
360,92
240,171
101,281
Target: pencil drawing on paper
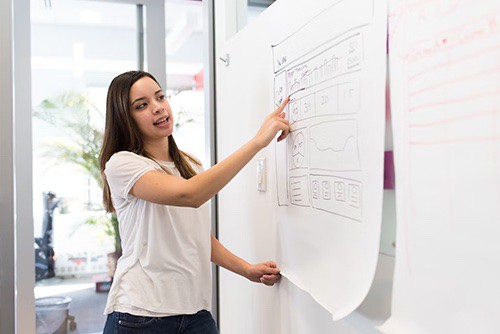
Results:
x,y
323,146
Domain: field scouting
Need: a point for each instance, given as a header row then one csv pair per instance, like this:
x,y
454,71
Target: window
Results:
x,y
77,48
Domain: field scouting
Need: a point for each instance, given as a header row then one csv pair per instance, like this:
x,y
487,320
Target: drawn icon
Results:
x,y
339,188
315,189
354,195
326,190
298,151
307,107
345,200
295,112
299,191
349,98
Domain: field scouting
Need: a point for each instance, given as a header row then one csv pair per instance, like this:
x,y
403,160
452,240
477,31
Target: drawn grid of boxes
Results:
x,y
324,89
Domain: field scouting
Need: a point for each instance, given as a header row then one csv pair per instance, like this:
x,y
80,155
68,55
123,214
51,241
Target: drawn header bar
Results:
x,y
286,51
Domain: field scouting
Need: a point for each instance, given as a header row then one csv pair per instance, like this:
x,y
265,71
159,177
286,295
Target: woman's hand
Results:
x,y
273,123
267,273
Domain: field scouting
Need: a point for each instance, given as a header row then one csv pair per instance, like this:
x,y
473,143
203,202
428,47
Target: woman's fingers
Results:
x,y
273,124
284,134
271,264
284,127
270,279
282,106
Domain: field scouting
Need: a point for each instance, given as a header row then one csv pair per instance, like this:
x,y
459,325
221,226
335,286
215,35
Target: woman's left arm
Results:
x,y
267,272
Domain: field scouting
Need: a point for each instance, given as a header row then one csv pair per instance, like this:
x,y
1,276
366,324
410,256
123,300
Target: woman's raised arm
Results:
x,y
166,189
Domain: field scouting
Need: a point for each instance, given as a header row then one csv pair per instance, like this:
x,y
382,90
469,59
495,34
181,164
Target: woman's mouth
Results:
x,y
162,120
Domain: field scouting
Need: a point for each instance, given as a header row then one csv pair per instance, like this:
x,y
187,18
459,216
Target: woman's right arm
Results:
x,y
166,189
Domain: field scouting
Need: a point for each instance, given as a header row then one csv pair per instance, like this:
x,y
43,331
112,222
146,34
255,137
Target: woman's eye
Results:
x,y
140,106
161,97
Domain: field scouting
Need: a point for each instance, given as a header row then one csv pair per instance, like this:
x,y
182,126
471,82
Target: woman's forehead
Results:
x,y
144,85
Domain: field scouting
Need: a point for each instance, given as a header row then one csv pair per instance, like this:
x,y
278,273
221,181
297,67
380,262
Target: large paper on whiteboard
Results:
x,y
445,99
329,171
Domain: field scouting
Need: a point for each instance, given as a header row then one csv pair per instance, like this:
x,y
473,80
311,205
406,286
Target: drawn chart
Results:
x,y
325,90
298,149
334,146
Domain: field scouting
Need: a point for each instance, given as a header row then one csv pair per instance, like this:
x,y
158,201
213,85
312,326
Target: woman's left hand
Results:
x,y
267,273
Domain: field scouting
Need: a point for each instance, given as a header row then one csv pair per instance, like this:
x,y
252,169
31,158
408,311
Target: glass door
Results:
x,y
77,47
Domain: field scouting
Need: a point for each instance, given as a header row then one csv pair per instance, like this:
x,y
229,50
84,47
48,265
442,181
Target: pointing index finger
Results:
x,y
282,106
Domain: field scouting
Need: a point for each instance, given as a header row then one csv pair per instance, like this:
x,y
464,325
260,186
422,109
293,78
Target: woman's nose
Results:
x,y
157,108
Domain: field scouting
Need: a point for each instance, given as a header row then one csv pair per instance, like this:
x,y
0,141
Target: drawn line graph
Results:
x,y
343,148
338,59
334,146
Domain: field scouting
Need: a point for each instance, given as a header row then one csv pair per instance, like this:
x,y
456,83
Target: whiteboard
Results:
x,y
325,180
445,98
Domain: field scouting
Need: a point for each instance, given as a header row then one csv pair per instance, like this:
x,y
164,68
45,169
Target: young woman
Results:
x,y
162,282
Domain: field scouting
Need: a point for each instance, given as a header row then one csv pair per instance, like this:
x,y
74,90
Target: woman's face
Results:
x,y
150,110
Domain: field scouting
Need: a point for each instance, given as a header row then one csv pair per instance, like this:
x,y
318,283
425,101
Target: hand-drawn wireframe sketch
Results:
x,y
324,89
329,57
298,149
299,191
294,111
280,92
334,146
336,195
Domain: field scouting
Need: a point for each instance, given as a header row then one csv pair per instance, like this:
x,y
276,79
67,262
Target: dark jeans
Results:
x,y
124,323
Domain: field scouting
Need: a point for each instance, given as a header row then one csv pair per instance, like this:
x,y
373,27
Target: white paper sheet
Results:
x,y
329,172
445,99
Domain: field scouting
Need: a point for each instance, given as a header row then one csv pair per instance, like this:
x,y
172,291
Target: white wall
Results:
x,y
246,307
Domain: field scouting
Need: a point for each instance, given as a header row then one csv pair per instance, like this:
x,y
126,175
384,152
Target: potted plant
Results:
x,y
72,112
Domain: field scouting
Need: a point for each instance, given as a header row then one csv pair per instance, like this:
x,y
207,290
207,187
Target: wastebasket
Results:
x,y
52,314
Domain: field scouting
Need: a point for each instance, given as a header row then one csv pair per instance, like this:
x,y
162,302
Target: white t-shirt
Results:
x,y
165,266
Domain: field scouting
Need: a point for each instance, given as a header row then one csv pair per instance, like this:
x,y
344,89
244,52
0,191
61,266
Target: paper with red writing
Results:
x,y
445,105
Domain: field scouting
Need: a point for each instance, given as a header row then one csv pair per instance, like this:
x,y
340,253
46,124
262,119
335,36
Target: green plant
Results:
x,y
110,224
73,113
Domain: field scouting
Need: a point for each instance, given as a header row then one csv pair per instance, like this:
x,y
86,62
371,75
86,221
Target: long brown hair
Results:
x,y
122,134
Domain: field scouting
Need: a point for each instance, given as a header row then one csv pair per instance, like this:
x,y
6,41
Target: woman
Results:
x,y
162,283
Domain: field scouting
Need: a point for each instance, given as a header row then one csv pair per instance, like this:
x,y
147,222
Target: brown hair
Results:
x,y
122,134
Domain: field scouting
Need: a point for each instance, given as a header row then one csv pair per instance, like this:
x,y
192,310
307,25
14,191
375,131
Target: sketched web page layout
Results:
x,y
329,170
323,82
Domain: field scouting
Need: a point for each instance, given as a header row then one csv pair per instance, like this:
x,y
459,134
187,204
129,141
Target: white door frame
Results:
x,y
7,233
17,265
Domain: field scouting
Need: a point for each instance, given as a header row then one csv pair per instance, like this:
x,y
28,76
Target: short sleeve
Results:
x,y
123,170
